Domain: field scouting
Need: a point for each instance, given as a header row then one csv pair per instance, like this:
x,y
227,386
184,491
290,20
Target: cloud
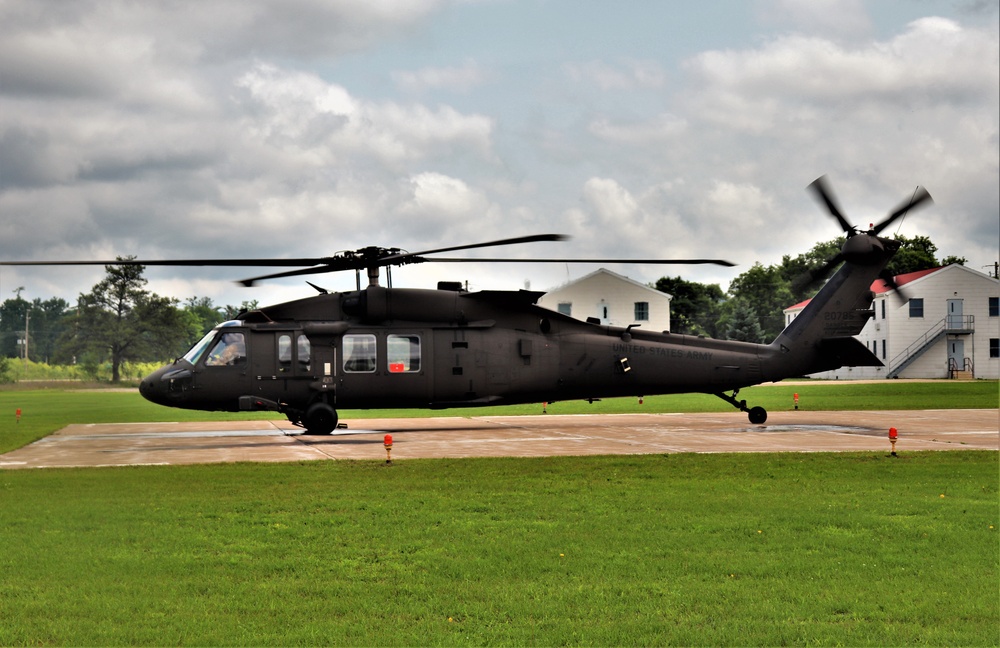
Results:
x,y
461,78
265,128
625,74
835,18
659,128
806,78
301,112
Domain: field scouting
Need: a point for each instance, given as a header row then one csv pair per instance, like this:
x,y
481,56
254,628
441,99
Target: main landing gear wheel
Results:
x,y
320,418
757,415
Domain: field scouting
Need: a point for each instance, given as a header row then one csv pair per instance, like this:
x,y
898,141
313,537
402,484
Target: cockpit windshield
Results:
x,y
197,350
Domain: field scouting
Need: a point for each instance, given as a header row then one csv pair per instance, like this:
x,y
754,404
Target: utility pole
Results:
x,y
27,319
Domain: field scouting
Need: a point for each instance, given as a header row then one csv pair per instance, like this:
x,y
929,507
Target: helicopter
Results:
x,y
386,347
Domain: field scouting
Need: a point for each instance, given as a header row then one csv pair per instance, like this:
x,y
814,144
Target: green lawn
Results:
x,y
721,549
827,549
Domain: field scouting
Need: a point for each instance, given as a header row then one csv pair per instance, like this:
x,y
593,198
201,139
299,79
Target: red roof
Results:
x,y
878,286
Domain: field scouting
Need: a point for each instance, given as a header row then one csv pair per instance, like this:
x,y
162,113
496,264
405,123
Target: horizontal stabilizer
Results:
x,y
847,352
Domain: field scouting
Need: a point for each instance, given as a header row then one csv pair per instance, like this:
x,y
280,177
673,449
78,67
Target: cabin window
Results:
x,y
284,352
229,350
566,308
916,307
305,352
403,353
359,353
642,311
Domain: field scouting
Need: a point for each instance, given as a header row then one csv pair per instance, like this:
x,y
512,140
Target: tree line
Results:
x,y
120,321
752,308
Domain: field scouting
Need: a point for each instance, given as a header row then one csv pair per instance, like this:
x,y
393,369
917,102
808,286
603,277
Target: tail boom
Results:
x,y
821,337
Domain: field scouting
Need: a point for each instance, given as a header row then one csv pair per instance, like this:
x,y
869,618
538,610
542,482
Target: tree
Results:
x,y
12,319
916,253
120,321
49,320
744,324
207,314
769,293
695,307
230,312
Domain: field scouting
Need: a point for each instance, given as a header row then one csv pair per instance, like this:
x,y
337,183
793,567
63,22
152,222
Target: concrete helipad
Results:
x,y
127,444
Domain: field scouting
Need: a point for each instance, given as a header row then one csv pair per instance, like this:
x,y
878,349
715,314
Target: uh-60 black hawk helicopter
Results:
x,y
378,347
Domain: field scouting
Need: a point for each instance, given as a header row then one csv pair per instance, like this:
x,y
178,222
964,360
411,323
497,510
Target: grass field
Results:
x,y
740,549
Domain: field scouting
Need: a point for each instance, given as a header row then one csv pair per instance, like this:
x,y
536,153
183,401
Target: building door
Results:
x,y
603,312
955,314
956,354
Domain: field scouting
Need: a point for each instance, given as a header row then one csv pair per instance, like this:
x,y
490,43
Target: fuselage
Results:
x,y
384,347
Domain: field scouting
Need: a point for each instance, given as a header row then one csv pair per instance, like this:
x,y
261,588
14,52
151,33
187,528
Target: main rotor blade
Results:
x,y
720,262
920,196
290,273
823,191
395,258
235,263
816,276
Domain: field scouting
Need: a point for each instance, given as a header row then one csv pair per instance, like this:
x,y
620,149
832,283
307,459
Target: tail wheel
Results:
x,y
320,418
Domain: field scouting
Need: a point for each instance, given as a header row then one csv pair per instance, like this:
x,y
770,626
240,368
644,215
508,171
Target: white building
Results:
x,y
611,299
948,327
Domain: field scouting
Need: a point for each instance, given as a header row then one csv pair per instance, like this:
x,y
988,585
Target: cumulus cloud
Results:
x,y
267,128
301,110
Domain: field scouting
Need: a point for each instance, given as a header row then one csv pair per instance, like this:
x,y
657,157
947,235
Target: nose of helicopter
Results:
x,y
157,386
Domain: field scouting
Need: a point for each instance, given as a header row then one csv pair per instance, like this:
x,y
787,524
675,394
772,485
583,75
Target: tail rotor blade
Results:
x,y
920,196
822,190
890,283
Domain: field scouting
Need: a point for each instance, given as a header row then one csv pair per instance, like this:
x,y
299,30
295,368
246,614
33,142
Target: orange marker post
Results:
x,y
893,437
387,442
17,415
795,397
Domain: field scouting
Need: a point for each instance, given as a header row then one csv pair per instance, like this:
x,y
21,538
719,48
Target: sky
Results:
x,y
299,128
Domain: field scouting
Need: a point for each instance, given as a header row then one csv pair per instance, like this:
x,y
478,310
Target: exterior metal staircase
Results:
x,y
950,325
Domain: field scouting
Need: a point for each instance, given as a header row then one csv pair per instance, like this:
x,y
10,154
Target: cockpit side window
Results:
x,y
229,350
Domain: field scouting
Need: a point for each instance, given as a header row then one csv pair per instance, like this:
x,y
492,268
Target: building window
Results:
x,y
994,306
641,311
883,309
917,307
566,308
883,349
995,347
